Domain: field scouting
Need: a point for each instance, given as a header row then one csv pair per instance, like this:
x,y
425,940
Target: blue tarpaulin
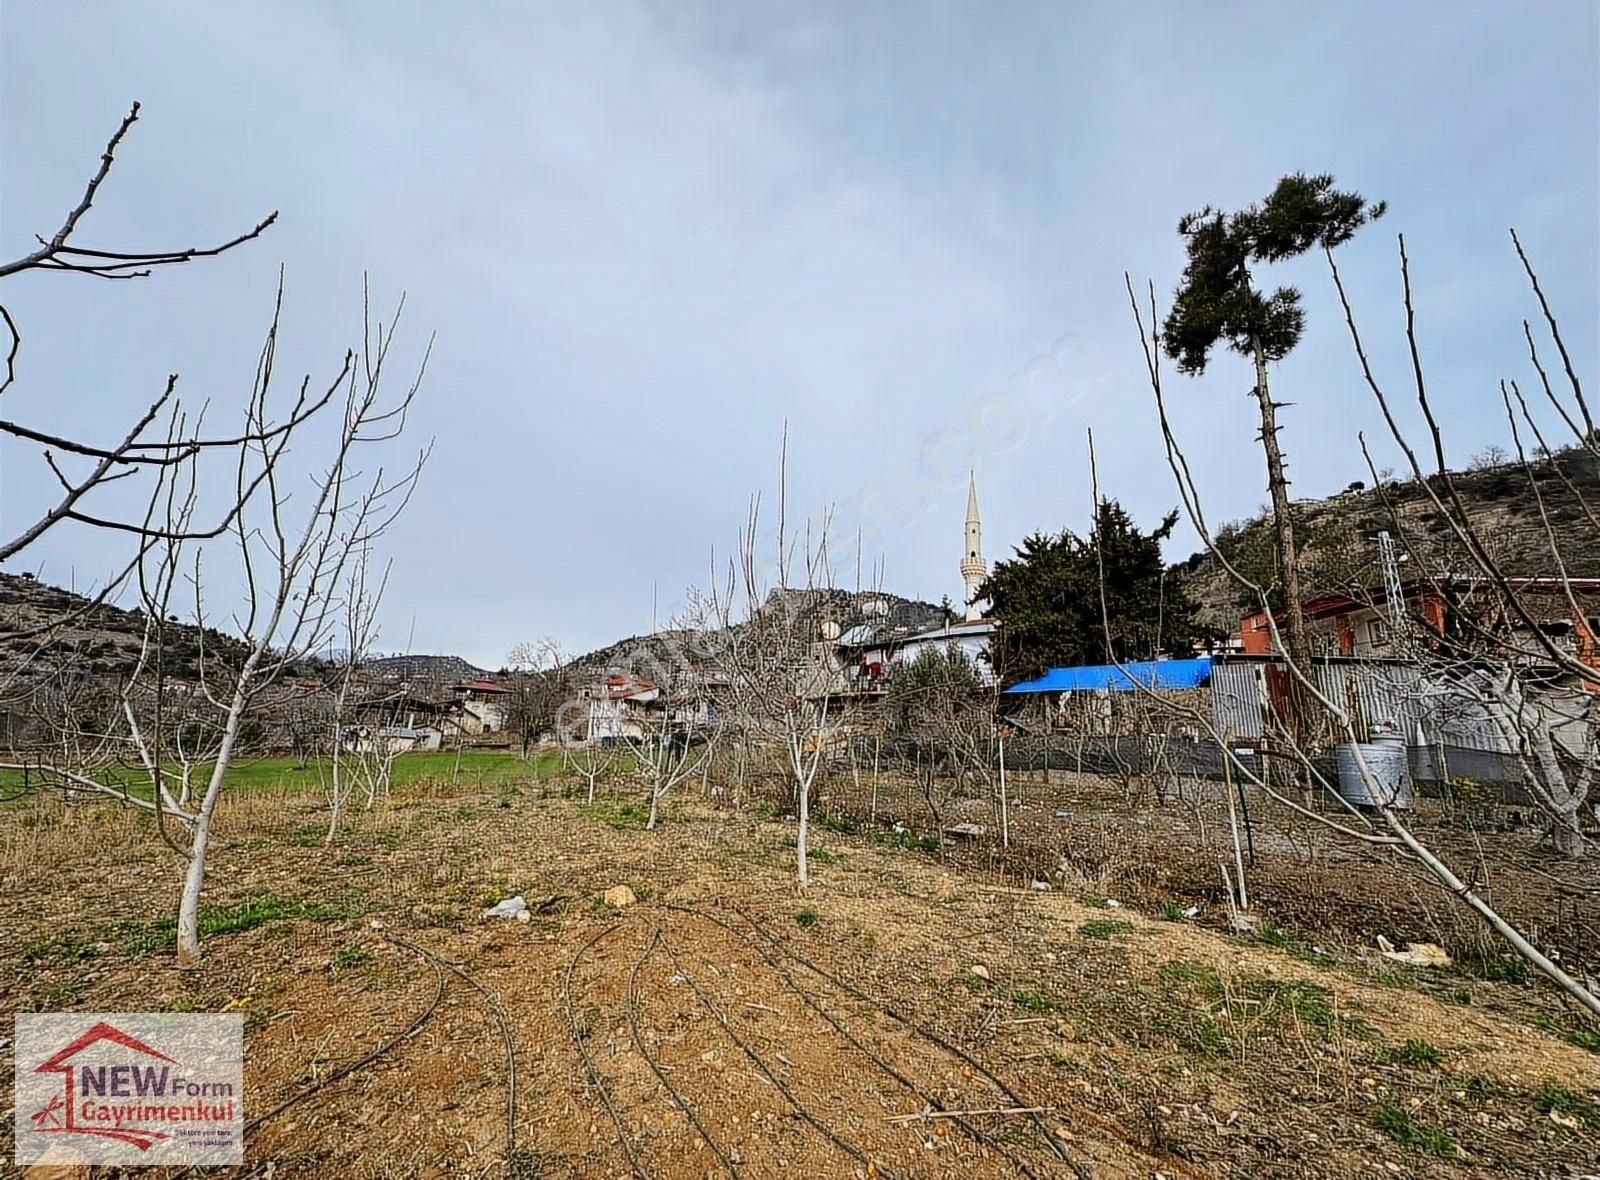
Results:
x,y
1112,678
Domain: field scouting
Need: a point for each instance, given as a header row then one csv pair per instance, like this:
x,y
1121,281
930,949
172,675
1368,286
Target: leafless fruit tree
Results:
x,y
783,679
288,535
1383,825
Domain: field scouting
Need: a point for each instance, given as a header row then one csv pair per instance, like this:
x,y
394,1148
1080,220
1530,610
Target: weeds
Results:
x,y
1418,1055
1551,1098
1104,928
1500,970
1195,974
616,813
1582,1037
808,918
1034,1002
253,911
351,955
1396,1122
1270,935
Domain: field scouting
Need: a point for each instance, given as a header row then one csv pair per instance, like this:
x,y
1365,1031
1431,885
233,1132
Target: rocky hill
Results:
x,y
641,653
1336,536
98,639
428,669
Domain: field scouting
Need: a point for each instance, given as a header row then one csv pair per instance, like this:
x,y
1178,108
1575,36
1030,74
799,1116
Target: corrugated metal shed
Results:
x,y
1121,678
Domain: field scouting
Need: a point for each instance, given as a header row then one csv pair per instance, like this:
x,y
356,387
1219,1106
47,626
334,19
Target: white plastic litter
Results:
x,y
509,908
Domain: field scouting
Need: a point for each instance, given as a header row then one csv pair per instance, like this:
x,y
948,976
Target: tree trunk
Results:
x,y
189,905
1282,524
802,805
655,799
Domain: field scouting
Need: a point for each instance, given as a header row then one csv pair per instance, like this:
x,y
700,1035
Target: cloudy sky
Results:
x,y
646,235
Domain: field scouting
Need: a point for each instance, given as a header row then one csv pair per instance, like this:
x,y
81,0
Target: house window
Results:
x,y
1377,633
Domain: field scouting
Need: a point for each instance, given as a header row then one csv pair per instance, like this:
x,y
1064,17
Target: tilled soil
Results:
x,y
898,1018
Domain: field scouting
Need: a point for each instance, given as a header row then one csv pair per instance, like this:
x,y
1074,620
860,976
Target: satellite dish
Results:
x,y
830,630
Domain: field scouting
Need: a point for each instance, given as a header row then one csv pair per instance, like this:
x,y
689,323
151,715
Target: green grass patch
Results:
x,y
1034,1002
1104,928
1196,975
351,955
1396,1122
1584,1038
843,825
66,950
233,918
807,918
1171,911
822,856
1270,935
1551,1098
1418,1055
1306,1002
1509,969
476,768
620,814
910,841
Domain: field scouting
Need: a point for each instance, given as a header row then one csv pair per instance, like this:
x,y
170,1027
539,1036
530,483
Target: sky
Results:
x,y
643,238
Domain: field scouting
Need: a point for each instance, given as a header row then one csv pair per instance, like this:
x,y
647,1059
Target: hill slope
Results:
x,y
1336,536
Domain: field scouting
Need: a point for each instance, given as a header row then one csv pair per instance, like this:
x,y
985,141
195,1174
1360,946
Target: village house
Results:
x,y
1456,607
479,707
869,651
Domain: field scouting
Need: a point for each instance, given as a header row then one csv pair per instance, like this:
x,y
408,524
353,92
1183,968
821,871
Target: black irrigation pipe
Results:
x,y
578,1036
954,1050
928,1100
800,1108
632,1005
499,1011
361,1062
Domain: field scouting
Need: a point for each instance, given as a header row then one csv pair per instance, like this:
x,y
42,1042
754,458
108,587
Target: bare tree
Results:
x,y
1384,826
291,550
144,447
784,684
367,760
537,684
591,756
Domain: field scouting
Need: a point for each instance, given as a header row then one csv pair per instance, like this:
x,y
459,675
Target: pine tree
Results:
x,y
1217,302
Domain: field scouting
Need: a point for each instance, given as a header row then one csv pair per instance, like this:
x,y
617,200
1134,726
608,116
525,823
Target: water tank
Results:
x,y
1387,764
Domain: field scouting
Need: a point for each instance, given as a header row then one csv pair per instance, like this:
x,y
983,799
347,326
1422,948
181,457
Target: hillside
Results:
x,y
432,669
98,639
1336,535
640,653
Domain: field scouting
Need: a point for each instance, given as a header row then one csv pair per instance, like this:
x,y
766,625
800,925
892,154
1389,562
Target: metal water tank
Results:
x,y
1388,765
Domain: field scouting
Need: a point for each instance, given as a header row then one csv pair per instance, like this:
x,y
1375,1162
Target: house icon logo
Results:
x,y
129,1088
56,1116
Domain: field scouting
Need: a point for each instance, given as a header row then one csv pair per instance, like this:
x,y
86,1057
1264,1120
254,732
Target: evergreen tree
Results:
x,y
1217,302
1047,598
